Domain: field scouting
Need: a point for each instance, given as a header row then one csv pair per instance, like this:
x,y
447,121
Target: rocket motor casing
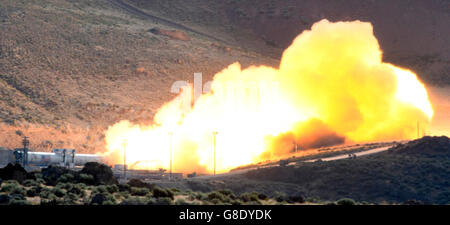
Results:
x,y
62,157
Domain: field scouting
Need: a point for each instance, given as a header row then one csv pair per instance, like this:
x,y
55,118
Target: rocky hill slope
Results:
x,y
412,33
68,68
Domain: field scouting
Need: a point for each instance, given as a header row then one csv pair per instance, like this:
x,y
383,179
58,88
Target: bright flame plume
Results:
x,y
331,87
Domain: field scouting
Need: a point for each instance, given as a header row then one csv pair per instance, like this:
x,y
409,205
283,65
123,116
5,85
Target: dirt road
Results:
x,y
342,156
138,12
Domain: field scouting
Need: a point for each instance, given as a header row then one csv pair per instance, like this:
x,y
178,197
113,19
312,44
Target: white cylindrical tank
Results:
x,y
63,157
44,158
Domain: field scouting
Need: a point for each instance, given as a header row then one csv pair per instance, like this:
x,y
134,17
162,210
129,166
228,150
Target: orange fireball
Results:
x,y
331,87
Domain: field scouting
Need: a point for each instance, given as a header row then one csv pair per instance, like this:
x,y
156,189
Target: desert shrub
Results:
x,y
40,180
31,193
70,199
4,199
8,187
109,202
76,190
71,196
101,189
226,192
140,184
14,189
216,201
65,186
181,201
365,203
346,201
58,192
110,197
81,185
191,197
412,202
236,202
161,193
11,182
86,178
52,174
298,198
17,196
247,197
262,196
101,198
30,183
125,194
124,187
199,185
280,197
175,190
15,172
59,185
133,200
102,174
34,191
38,175
170,194
139,191
112,188
151,201
19,202
219,196
45,193
164,201
117,195
200,196
313,199
68,186
204,202
66,178
51,201
254,203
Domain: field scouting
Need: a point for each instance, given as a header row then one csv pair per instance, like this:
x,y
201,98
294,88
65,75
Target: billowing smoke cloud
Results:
x,y
331,86
310,134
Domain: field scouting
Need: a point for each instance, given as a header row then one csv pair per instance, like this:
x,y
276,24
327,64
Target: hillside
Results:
x,y
69,69
418,170
412,34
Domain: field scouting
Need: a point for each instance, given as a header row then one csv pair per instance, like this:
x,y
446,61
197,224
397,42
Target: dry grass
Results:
x,y
90,65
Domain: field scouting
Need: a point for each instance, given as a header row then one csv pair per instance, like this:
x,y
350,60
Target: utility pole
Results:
x,y
25,143
215,134
171,147
124,145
